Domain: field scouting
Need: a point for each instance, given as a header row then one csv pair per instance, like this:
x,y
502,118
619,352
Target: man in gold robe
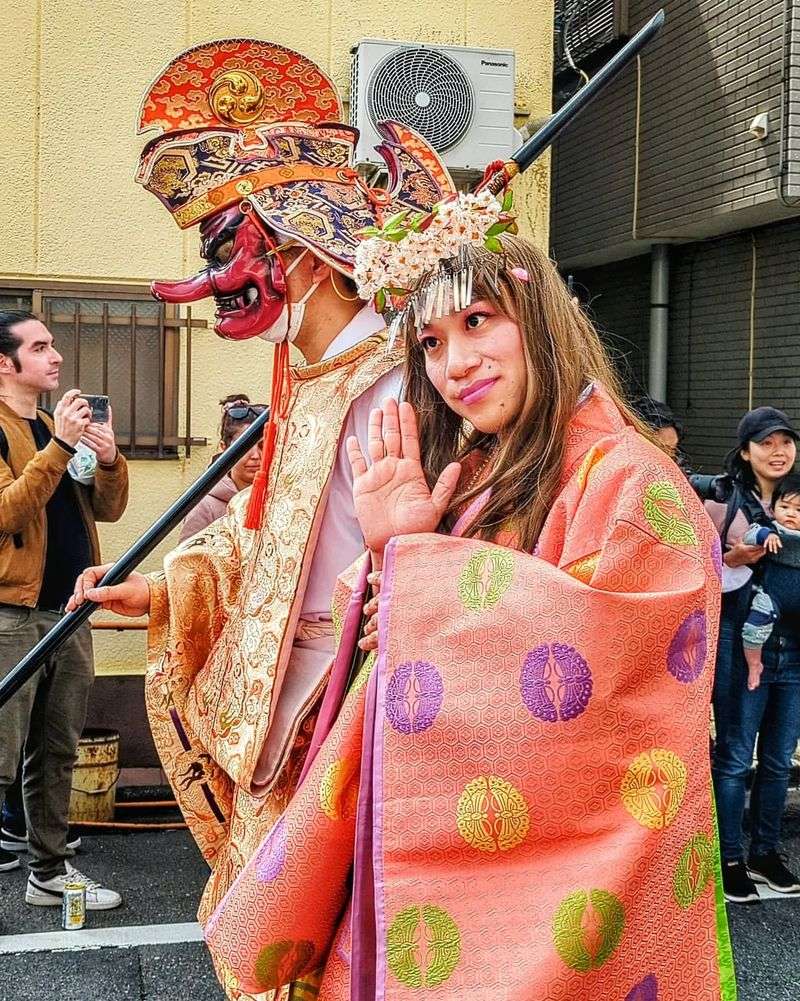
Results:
x,y
241,635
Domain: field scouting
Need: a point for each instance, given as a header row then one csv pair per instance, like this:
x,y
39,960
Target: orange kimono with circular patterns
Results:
x,y
515,801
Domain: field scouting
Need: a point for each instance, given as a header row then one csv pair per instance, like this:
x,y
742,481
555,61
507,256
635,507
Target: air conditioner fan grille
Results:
x,y
426,90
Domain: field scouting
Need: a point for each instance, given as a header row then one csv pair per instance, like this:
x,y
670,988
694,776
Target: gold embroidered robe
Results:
x,y
223,619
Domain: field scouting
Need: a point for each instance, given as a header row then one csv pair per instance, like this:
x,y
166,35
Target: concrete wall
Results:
x,y
692,169
74,72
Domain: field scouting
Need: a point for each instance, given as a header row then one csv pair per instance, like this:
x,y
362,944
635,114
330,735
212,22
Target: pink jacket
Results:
x,y
211,507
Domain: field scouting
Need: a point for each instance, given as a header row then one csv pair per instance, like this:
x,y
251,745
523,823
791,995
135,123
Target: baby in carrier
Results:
x,y
777,591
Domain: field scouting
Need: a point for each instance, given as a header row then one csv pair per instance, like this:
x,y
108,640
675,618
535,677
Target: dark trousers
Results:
x,y
768,717
45,717
12,816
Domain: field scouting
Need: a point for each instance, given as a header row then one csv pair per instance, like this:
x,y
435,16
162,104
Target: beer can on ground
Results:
x,y
73,906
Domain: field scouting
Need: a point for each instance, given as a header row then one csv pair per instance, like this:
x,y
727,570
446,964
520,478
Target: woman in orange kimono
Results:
x,y
513,799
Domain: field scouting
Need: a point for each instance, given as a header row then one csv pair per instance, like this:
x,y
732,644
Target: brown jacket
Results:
x,y
28,480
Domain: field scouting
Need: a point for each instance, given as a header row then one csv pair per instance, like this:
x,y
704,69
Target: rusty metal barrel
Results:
x,y
94,779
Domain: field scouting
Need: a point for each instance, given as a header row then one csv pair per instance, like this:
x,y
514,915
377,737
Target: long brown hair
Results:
x,y
563,355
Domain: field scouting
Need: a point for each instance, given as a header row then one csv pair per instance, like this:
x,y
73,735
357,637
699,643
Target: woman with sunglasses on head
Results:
x,y
514,798
237,414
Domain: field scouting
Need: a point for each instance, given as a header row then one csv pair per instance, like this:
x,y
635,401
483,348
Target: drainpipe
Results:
x,y
659,320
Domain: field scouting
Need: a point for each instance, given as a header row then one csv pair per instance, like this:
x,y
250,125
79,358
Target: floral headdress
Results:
x,y
416,267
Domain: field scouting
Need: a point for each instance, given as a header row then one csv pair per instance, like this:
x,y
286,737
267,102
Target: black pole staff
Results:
x,y
566,114
131,559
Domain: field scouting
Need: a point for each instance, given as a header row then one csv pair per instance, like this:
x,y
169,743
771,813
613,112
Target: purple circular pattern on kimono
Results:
x,y
414,697
716,556
556,683
645,990
686,656
271,856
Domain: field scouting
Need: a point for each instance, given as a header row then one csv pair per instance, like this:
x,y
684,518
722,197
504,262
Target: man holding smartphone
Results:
x,y
47,537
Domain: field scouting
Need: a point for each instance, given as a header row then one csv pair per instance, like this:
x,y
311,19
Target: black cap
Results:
x,y
758,424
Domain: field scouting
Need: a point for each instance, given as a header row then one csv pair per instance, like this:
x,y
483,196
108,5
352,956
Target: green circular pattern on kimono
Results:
x,y
485,579
441,952
587,929
281,962
653,787
694,871
666,514
492,815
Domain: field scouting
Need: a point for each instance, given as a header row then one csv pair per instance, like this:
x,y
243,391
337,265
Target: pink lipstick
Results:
x,y
476,391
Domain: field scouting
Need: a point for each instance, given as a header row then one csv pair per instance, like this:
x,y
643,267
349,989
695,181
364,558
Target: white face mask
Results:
x,y
284,328
83,465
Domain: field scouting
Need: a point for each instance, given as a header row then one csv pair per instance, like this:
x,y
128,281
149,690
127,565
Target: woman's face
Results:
x,y
244,471
475,361
773,457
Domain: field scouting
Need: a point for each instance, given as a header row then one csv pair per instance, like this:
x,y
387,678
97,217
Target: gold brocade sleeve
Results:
x,y
190,602
197,591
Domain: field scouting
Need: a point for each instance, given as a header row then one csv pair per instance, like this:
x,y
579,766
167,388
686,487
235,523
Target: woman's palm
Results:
x,y
391,496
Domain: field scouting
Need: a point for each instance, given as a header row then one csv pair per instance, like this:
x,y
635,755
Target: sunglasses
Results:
x,y
241,411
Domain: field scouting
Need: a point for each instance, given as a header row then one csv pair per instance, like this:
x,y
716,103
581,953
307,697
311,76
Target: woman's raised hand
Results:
x,y
390,494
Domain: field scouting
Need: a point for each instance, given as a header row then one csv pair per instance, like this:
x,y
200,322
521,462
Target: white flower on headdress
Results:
x,y
394,260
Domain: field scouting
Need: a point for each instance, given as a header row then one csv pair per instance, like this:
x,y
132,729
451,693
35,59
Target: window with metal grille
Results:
x,y
125,346
584,29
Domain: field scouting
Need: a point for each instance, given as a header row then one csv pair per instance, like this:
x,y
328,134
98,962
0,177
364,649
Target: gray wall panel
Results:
x,y
716,64
709,339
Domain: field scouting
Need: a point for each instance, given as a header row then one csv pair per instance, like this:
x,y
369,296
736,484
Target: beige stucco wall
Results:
x,y
74,72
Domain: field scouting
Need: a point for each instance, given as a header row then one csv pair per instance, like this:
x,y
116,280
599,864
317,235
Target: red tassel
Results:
x,y
257,502
278,408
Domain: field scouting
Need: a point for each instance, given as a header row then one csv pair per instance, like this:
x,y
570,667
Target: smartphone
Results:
x,y
99,407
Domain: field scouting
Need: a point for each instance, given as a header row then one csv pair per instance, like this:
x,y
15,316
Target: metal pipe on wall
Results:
x,y
659,321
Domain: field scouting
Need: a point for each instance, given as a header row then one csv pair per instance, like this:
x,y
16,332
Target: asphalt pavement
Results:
x,y
156,953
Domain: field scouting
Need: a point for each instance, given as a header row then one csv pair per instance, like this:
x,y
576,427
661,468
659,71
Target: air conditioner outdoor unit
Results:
x,y
461,100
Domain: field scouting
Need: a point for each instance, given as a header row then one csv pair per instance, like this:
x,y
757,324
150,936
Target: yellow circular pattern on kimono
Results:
x,y
590,460
653,788
362,676
583,569
423,946
338,792
666,514
485,579
492,815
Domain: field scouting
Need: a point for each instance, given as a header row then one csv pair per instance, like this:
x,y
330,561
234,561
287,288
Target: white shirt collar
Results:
x,y
364,323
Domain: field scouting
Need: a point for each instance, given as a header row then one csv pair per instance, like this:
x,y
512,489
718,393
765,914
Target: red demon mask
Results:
x,y
242,273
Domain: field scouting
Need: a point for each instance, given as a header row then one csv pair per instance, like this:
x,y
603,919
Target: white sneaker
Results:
x,y
48,893
8,861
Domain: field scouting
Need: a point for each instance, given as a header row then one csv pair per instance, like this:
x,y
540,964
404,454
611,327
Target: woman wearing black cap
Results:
x,y
765,453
